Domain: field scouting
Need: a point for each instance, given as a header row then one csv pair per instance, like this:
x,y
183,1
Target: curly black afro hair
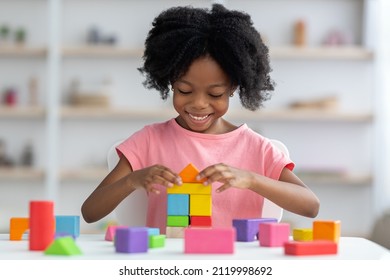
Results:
x,y
182,34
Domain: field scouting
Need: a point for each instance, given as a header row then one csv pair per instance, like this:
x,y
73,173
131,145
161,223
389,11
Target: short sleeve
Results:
x,y
135,148
275,161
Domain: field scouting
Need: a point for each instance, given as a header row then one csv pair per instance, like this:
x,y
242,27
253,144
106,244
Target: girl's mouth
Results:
x,y
198,118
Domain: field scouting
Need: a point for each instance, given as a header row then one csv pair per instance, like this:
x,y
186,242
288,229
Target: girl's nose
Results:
x,y
199,101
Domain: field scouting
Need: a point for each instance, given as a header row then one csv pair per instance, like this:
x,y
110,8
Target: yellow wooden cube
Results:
x,y
303,234
190,188
326,230
200,205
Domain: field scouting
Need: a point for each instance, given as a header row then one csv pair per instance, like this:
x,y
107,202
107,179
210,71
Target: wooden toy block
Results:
x,y
200,205
326,230
178,204
200,221
273,234
153,231
18,226
306,248
156,241
174,232
303,234
42,225
178,221
209,240
63,246
131,240
248,229
189,173
68,225
110,232
189,188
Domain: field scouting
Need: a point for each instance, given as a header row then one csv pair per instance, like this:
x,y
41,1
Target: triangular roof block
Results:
x,y
63,246
189,173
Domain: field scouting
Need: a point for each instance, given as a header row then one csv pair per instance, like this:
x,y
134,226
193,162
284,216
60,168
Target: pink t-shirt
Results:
x,y
171,145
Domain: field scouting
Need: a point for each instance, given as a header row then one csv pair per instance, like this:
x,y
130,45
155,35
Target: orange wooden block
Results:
x,y
326,230
18,226
189,173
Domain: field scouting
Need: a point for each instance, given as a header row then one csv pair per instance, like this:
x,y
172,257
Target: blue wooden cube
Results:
x,y
153,231
178,204
67,225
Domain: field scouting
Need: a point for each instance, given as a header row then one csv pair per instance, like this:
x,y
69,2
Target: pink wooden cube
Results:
x,y
274,234
209,240
110,232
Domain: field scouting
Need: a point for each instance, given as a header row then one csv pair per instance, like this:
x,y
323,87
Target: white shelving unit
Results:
x,y
76,139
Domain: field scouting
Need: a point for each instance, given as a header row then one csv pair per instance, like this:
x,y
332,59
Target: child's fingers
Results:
x,y
207,173
223,188
166,177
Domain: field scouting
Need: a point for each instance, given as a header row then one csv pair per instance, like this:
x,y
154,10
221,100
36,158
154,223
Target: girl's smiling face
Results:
x,y
201,97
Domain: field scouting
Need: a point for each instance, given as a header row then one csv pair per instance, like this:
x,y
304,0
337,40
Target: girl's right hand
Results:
x,y
149,177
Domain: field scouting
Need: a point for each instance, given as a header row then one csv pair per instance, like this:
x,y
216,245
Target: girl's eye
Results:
x,y
184,92
216,95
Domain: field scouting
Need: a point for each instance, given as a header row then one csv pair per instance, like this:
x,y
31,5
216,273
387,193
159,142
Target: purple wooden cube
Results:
x,y
131,240
248,229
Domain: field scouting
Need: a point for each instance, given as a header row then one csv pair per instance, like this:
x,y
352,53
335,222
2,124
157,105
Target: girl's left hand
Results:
x,y
227,175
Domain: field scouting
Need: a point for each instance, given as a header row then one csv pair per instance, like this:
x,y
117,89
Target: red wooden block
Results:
x,y
305,248
42,225
201,221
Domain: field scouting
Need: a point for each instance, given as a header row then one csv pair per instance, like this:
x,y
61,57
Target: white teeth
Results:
x,y
198,118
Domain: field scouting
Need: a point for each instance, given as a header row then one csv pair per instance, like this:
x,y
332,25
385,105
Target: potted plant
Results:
x,y
20,36
4,33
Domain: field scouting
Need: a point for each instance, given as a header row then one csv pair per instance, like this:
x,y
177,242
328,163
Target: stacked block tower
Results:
x,y
188,204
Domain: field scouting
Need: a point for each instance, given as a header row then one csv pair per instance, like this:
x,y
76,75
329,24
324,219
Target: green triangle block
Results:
x,y
63,246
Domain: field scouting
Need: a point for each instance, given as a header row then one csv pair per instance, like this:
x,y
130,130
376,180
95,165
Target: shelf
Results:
x,y
305,115
114,113
243,115
22,51
84,174
347,52
98,174
19,112
284,52
350,180
101,51
20,173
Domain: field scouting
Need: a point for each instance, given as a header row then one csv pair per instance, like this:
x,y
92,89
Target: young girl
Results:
x,y
203,57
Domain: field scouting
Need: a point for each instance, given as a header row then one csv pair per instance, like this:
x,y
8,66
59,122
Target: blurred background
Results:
x,y
70,89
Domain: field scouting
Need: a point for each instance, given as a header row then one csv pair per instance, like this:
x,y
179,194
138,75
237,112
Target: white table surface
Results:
x,y
94,247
